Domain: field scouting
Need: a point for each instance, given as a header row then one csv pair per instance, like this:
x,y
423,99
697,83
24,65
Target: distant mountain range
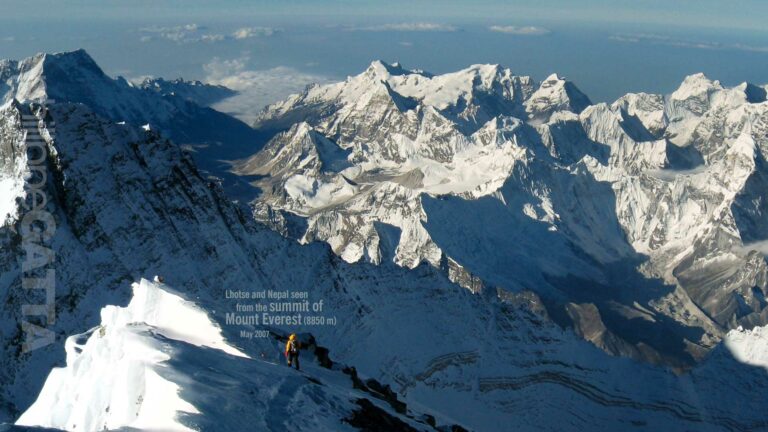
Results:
x,y
497,246
638,223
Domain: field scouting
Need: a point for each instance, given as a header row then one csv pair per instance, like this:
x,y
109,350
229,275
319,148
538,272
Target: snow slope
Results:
x,y
112,376
132,372
161,362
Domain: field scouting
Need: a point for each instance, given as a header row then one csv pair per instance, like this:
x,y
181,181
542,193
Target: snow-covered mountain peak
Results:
x,y
25,79
498,130
45,76
438,91
76,61
75,77
447,90
426,116
299,149
381,70
694,86
754,93
552,79
555,94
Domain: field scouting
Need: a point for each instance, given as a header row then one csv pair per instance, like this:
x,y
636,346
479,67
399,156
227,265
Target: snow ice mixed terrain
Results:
x,y
504,255
632,220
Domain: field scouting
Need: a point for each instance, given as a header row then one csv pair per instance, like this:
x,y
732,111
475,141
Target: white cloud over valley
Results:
x,y
256,87
660,39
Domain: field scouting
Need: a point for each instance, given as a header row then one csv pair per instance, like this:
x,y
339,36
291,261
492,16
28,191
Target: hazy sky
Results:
x,y
269,49
743,14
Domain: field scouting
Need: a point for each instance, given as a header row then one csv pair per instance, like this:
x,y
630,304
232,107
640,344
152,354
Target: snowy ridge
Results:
x,y
195,91
126,201
113,374
126,372
133,371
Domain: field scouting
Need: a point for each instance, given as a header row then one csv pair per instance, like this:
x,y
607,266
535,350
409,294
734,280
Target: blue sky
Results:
x,y
272,48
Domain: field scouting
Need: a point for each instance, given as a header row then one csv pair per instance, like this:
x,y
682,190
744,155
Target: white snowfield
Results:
x,y
115,375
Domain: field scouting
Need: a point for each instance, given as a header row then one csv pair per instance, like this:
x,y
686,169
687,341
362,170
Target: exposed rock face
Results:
x,y
648,207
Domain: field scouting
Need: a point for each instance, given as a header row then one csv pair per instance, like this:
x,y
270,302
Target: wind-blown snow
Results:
x,y
115,376
760,246
749,346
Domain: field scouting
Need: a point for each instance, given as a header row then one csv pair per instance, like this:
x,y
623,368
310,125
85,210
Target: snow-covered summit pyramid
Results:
x,y
170,107
555,94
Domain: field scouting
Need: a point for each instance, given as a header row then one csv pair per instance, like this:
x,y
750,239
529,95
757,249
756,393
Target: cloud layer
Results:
x,y
523,31
409,27
188,33
684,43
256,88
251,32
